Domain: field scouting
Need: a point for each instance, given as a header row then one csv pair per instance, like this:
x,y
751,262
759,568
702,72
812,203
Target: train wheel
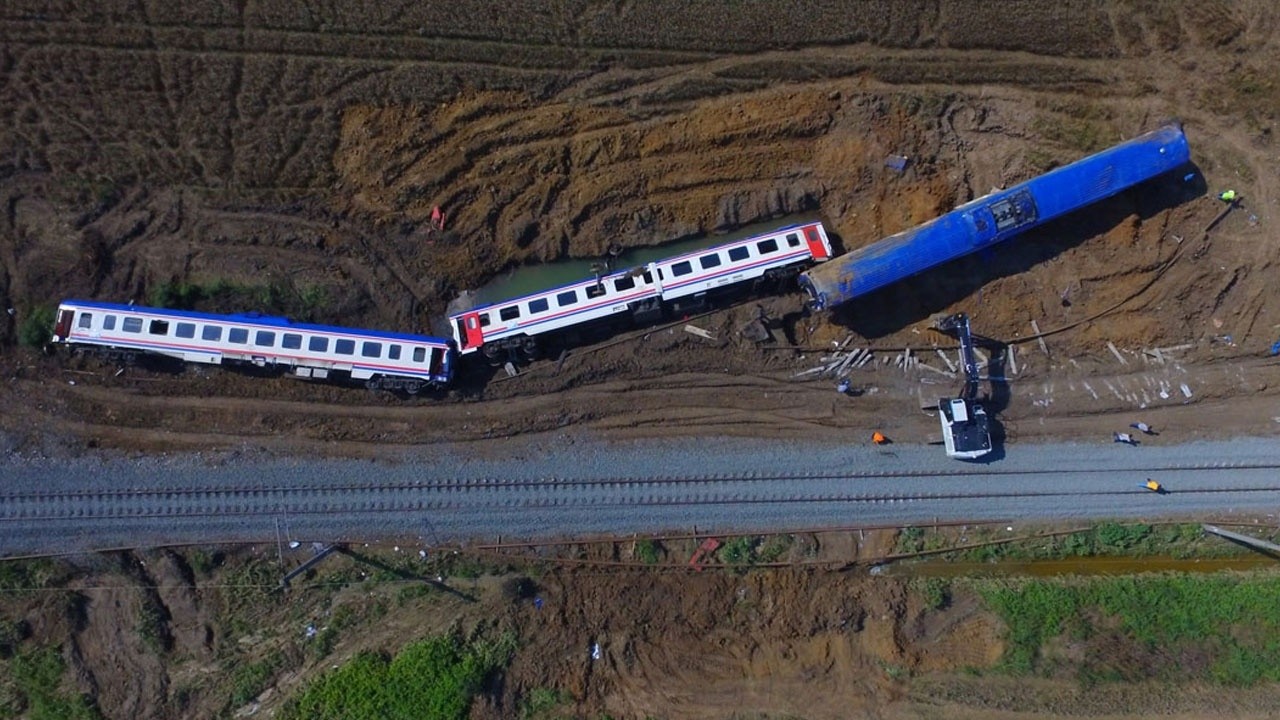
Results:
x,y
373,384
529,346
413,387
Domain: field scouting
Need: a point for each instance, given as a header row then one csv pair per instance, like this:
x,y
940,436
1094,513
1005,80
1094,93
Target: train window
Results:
x,y
239,336
86,321
648,277
132,324
793,240
709,261
539,305
419,354
109,322
291,341
568,297
738,253
595,291
484,319
185,330
265,338
318,344
624,283
344,347
211,332
393,352
511,312
159,327
370,349
767,246
682,268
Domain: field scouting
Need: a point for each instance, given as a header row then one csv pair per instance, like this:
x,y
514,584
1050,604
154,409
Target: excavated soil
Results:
x,y
296,152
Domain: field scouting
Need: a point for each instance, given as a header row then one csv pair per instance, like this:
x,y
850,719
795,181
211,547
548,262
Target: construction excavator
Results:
x,y
966,429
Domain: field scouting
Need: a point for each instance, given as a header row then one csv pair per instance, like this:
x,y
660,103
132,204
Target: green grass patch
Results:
x,y
1105,539
37,327
739,550
431,679
248,680
304,303
542,702
648,552
1221,629
38,694
934,592
20,578
909,540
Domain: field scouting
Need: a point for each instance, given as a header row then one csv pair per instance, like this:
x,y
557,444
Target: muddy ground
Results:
x,y
295,153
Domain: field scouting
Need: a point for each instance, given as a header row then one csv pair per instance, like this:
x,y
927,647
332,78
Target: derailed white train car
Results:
x,y
382,360
678,284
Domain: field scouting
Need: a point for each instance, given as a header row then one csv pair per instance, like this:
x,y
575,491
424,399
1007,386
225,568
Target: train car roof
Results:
x,y
629,271
258,319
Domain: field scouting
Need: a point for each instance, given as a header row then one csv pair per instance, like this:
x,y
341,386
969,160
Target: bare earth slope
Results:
x,y
293,152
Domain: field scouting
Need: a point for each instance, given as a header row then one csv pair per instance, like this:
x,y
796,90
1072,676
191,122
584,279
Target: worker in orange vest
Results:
x,y
878,438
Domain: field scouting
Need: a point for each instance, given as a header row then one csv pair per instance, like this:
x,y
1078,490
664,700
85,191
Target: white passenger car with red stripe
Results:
x,y
642,293
382,359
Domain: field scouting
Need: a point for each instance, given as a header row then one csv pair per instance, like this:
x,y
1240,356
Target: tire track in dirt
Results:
x,y
334,46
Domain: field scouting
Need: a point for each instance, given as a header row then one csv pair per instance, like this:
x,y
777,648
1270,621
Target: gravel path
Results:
x,y
570,486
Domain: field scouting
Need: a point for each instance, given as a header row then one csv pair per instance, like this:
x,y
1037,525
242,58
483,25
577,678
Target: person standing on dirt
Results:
x,y
1228,196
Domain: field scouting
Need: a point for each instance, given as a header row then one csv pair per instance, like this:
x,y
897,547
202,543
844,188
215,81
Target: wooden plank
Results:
x,y
1114,351
1039,338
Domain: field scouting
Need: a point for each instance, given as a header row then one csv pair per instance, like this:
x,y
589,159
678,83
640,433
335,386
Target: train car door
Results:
x,y
63,328
818,246
470,335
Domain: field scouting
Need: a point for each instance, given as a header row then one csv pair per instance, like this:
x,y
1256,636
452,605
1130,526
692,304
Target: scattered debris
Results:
x,y
1186,391
1039,338
704,551
926,366
897,162
1124,438
1114,351
755,331
1013,362
695,330
950,365
511,369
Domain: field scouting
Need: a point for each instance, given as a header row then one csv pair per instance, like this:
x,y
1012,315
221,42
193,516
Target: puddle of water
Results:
x,y
1076,566
533,278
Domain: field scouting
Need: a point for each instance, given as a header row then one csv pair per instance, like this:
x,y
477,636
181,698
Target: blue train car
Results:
x,y
996,217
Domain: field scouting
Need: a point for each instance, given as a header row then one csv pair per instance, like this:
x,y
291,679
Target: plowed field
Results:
x,y
287,157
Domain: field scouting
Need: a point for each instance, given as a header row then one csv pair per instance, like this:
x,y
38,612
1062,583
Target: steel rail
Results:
x,y
94,506
490,483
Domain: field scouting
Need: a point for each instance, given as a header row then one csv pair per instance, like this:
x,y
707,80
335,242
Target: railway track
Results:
x,y
494,494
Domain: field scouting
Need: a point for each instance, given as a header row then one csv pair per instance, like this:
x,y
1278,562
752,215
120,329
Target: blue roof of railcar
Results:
x,y
257,319
949,236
